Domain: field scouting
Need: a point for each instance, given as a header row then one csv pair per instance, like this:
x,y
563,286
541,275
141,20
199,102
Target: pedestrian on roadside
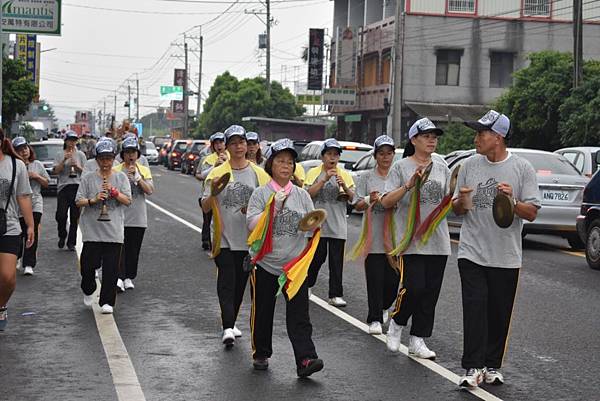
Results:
x,y
38,179
423,263
218,156
136,218
68,166
331,188
15,195
229,230
490,257
254,153
382,279
102,195
281,205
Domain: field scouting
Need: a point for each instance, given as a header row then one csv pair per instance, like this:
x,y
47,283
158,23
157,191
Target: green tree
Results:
x,y
17,91
580,115
229,100
456,137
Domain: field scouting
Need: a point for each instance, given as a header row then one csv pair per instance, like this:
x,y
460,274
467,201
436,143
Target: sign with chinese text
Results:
x,y
339,97
308,99
42,17
171,93
26,52
346,56
315,59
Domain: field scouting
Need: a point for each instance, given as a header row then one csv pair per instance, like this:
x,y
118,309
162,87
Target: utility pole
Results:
x,y
268,73
185,90
137,98
200,76
397,85
104,118
1,65
577,42
129,101
114,119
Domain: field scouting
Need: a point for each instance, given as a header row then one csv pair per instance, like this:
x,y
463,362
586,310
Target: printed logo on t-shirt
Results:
x,y
328,193
485,194
237,195
286,223
432,192
4,188
378,208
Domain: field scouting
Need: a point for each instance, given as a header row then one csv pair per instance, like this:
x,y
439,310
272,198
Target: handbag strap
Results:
x,y
12,181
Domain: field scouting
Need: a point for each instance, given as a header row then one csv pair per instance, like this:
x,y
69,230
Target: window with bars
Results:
x,y
536,8
461,6
501,69
447,69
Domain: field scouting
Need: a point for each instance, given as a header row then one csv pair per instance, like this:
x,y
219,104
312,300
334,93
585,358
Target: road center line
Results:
x,y
439,369
123,374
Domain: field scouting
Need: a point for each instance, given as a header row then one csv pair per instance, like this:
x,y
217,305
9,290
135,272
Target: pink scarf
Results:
x,y
276,187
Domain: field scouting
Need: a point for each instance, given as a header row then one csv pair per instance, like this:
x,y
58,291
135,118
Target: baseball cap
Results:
x,y
130,143
382,141
422,126
234,130
281,145
71,135
252,136
19,141
217,136
493,121
105,147
330,143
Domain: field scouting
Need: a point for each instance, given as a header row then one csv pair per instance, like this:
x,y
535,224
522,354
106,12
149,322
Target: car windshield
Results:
x,y
545,164
47,151
352,156
159,141
197,147
181,146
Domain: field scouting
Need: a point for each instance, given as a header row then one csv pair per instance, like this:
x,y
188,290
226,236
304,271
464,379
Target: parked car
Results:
x,y
163,154
582,157
177,150
588,220
159,141
192,152
46,152
203,153
561,193
351,152
151,153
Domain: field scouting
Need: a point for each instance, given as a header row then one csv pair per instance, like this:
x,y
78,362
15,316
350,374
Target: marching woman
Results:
x,y
217,157
254,153
136,219
331,188
417,185
38,179
382,278
227,191
15,194
68,166
281,253
299,175
102,195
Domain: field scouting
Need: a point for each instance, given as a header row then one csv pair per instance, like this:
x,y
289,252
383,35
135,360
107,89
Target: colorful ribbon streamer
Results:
x,y
363,245
217,228
295,271
431,223
261,238
412,221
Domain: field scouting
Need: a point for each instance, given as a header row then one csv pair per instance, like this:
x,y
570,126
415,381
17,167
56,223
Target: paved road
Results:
x,y
170,327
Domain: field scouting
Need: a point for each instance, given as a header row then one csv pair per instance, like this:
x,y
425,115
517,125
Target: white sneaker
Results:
x,y
337,301
228,337
120,285
107,309
19,264
375,328
88,300
128,284
309,292
418,348
394,335
28,271
472,378
386,316
236,332
493,376
96,274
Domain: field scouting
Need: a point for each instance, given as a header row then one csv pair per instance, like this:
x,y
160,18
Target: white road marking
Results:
x,y
579,254
123,374
440,370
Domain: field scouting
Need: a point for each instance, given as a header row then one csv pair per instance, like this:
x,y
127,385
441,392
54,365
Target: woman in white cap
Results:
x,y
382,278
91,165
68,166
331,188
422,269
38,179
103,193
282,205
254,153
136,219
490,257
218,156
229,230
15,195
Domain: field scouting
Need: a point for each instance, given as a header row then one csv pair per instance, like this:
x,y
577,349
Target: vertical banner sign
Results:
x,y
315,59
21,48
38,48
177,105
346,56
31,57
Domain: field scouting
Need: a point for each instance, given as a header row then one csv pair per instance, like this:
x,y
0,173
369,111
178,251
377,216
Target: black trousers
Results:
x,y
488,296
382,285
65,204
422,277
128,266
336,265
29,255
206,219
264,289
105,255
231,284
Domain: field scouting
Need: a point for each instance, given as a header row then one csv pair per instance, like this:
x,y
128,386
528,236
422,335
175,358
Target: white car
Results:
x,y
351,152
151,153
582,157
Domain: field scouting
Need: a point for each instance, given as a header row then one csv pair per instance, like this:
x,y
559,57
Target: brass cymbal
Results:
x,y
219,184
312,220
503,210
453,180
426,173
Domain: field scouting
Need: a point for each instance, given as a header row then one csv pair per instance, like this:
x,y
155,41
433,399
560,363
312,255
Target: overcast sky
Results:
x,y
101,48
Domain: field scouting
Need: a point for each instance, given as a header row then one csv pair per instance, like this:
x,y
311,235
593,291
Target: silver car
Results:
x,y
46,152
582,157
561,192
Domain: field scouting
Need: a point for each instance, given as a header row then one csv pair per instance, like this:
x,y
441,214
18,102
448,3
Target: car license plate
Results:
x,y
555,196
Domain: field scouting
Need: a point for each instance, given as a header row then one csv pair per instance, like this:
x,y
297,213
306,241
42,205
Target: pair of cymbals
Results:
x,y
503,210
312,220
218,184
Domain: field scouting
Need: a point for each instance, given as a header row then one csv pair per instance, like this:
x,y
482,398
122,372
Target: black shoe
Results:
x,y
206,245
71,248
309,366
61,243
261,363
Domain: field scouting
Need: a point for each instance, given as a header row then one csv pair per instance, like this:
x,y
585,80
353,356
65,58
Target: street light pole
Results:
x,y
200,76
137,98
185,90
268,72
129,101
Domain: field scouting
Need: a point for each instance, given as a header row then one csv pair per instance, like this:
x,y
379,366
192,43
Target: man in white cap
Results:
x,y
489,257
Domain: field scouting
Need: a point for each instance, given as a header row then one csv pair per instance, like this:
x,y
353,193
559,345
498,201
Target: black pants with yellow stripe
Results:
x,y
422,277
488,296
299,329
231,284
382,285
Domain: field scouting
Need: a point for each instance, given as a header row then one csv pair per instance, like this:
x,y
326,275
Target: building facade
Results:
x,y
458,55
